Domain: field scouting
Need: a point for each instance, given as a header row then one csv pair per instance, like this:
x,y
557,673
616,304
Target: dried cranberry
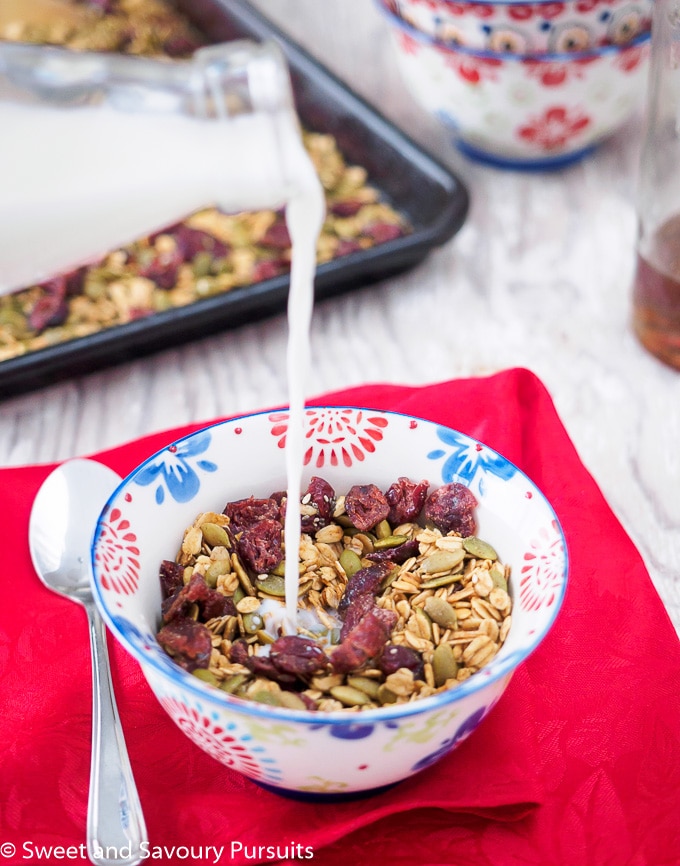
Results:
x,y
191,241
381,232
211,603
188,642
347,207
321,496
163,268
260,545
180,46
171,577
75,282
261,665
366,581
397,555
48,312
366,506
406,500
276,236
451,509
298,655
106,6
364,641
238,653
346,246
395,657
246,512
361,605
267,269
264,666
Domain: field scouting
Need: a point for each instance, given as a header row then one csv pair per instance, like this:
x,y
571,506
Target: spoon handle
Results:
x,y
115,823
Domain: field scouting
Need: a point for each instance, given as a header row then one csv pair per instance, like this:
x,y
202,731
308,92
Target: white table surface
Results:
x,y
542,267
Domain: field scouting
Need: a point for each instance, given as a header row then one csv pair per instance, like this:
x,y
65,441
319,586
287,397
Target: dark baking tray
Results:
x,y
433,199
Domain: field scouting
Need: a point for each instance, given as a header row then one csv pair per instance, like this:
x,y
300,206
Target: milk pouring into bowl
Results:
x,y
97,150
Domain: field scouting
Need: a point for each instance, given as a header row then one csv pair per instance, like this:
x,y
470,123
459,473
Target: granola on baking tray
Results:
x,y
398,597
208,254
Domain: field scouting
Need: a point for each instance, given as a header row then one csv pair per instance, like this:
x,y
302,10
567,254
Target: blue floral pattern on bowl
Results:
x,y
176,467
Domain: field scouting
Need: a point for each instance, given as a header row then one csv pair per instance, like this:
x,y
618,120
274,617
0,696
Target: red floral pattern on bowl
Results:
x,y
518,27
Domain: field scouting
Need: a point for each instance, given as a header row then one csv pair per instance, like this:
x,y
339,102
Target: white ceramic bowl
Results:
x,y
304,751
521,110
554,26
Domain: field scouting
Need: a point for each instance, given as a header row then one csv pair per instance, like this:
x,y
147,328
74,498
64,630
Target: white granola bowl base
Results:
x,y
522,111
315,754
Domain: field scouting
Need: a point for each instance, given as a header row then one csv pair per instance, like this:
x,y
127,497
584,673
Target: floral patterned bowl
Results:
x,y
554,26
530,111
325,753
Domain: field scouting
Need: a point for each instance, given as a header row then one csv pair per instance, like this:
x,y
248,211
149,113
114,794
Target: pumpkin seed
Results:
x,y
436,582
344,521
497,572
365,684
444,664
386,695
292,701
478,548
252,622
273,699
389,542
233,682
443,560
242,575
210,579
441,612
383,529
349,696
389,579
280,570
272,584
350,561
206,676
214,535
216,569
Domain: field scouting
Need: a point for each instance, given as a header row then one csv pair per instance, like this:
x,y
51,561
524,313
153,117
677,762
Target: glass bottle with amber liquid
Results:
x,y
656,290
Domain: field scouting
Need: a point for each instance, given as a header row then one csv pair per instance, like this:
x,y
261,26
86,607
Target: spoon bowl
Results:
x,y
61,527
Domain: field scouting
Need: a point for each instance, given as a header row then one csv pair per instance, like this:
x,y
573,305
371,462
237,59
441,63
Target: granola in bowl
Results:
x,y
392,607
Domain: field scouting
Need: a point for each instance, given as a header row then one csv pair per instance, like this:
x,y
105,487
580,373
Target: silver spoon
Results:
x,y
60,530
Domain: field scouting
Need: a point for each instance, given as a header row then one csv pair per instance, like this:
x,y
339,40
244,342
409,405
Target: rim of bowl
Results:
x,y
496,669
517,2
485,54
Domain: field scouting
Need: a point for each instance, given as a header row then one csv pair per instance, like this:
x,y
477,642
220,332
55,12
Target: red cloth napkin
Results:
x,y
578,764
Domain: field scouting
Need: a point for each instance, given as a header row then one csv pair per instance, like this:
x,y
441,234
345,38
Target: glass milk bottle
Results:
x,y
656,291
99,149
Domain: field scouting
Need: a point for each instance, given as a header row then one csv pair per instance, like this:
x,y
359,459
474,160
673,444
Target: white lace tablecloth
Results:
x,y
539,276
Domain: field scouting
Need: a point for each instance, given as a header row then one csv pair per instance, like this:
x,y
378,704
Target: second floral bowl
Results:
x,y
534,111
